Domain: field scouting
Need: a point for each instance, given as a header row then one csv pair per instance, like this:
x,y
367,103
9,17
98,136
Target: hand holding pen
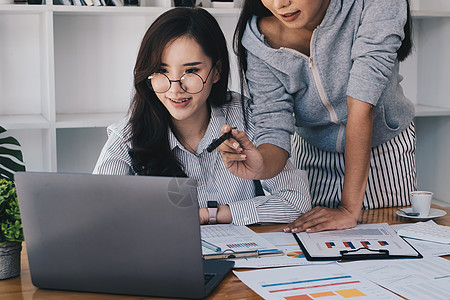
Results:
x,y
227,134
239,154
217,142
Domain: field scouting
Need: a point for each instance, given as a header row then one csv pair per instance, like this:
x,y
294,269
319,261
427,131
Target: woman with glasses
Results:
x,y
327,73
179,106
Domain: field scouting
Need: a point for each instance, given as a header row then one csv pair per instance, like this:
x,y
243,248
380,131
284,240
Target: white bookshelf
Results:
x,y
66,74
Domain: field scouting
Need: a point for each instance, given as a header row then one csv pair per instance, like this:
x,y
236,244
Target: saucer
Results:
x,y
434,213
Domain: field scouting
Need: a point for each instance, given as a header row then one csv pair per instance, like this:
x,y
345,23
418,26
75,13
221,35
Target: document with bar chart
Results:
x,y
235,240
329,281
365,241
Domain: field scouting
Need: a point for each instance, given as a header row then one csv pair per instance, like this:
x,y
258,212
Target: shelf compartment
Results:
x,y
87,120
24,74
24,122
431,111
430,5
22,9
94,61
36,147
78,149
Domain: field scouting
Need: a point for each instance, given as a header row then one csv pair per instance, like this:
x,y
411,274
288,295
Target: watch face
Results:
x,y
212,204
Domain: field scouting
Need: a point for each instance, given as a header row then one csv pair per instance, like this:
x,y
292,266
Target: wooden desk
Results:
x,y
21,288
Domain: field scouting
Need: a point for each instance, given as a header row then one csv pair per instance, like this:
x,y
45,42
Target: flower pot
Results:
x,y
10,259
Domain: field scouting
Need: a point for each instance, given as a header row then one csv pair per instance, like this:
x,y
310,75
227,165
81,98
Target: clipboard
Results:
x,y
229,253
365,251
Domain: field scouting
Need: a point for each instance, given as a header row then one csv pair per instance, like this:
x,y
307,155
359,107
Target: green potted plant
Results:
x,y
11,233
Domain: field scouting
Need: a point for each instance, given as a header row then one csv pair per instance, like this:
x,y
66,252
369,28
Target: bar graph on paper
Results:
x,y
312,282
369,236
232,237
355,244
245,245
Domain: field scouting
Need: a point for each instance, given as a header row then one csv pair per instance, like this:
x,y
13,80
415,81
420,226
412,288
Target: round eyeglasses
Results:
x,y
191,83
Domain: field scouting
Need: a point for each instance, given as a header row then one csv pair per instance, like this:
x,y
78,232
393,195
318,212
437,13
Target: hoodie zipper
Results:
x,y
327,104
322,94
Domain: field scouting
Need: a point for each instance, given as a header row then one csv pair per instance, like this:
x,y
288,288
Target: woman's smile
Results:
x,y
289,17
179,100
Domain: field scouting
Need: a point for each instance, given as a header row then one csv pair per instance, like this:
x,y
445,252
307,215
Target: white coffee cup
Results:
x,y
421,202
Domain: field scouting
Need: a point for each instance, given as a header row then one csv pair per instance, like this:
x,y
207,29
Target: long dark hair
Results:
x,y
256,8
149,119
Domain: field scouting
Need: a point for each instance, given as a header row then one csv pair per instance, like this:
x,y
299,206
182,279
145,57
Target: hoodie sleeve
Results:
x,y
374,50
272,106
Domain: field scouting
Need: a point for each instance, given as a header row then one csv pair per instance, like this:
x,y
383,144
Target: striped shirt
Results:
x,y
392,172
287,194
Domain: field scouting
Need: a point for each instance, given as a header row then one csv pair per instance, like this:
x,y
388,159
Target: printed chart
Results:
x,y
311,282
358,240
351,244
234,238
296,254
286,242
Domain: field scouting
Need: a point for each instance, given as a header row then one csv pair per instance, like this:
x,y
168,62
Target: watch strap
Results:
x,y
212,211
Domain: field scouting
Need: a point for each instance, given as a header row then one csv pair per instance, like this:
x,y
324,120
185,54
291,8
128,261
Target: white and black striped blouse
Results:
x,y
287,194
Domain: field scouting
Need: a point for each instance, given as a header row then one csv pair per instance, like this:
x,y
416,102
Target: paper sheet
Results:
x,y
323,282
427,278
293,256
426,248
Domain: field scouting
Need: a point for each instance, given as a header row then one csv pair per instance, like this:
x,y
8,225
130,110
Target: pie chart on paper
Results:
x,y
296,254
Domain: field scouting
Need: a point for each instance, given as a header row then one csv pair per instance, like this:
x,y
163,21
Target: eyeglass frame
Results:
x,y
149,81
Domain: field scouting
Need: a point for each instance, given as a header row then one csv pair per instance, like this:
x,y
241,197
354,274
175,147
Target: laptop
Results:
x,y
133,235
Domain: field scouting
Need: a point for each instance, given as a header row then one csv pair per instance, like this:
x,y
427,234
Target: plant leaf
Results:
x,y
12,152
8,166
6,174
9,140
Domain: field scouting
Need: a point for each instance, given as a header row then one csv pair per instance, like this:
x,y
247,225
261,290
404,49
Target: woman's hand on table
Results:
x,y
323,218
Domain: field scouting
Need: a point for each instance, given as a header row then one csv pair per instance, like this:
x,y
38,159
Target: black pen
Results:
x,y
216,142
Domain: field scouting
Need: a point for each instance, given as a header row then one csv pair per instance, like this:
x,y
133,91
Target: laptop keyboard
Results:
x,y
208,277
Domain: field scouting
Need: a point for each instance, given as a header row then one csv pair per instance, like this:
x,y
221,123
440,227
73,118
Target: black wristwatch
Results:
x,y
212,210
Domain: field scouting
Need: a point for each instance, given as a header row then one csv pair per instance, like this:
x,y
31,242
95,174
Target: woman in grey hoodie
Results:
x,y
327,72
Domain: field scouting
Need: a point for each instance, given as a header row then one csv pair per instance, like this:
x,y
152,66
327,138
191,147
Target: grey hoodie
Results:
x,y
353,52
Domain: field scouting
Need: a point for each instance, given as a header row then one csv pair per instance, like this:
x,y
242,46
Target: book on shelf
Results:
x,y
85,2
